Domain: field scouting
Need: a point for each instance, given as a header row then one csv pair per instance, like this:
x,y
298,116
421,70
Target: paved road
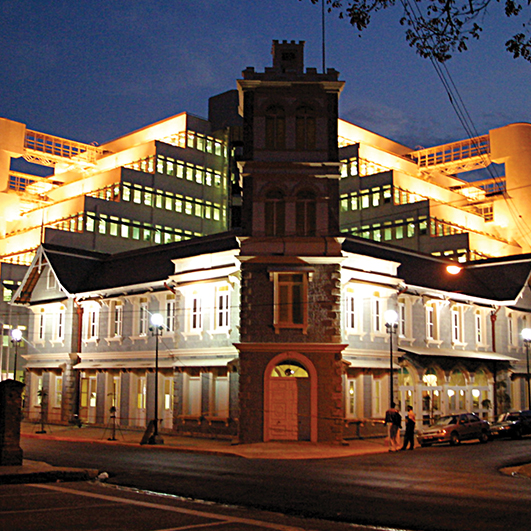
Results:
x,y
438,488
84,506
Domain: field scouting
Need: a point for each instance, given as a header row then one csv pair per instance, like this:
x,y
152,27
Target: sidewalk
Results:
x,y
269,450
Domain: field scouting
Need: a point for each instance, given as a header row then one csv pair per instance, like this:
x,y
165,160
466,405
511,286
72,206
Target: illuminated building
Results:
x,y
273,330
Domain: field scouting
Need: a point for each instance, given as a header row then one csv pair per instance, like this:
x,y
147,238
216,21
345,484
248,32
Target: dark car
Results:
x,y
454,429
513,424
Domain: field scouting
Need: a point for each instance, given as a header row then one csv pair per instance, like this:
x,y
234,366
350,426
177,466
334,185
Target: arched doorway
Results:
x,y
290,399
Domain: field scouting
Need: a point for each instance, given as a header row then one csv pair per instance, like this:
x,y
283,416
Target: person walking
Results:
x,y
409,436
393,420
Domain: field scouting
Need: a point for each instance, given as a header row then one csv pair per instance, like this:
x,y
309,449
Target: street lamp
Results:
x,y
526,335
391,324
157,321
16,338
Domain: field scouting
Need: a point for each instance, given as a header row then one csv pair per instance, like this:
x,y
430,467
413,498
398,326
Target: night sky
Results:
x,y
95,70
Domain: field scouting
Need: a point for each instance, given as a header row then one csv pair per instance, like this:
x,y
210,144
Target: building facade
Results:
x,y
276,329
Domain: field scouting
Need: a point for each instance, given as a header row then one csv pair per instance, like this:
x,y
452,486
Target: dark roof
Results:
x,y
496,279
84,271
81,271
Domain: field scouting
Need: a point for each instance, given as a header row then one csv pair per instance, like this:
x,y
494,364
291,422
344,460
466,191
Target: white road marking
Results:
x,y
220,519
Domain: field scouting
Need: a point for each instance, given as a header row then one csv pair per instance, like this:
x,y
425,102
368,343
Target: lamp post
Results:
x,y
391,324
526,335
157,322
16,338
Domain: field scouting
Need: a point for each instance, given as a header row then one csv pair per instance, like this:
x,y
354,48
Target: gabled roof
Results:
x,y
501,280
80,271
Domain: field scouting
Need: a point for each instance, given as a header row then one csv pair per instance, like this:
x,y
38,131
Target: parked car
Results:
x,y
455,428
513,424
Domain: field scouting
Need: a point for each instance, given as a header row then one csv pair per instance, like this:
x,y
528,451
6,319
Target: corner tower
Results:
x,y
290,355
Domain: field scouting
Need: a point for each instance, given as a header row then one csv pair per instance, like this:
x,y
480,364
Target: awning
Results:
x,y
365,359
451,353
45,365
150,364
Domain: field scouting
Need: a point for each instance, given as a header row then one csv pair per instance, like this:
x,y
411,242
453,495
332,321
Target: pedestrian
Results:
x,y
409,436
393,420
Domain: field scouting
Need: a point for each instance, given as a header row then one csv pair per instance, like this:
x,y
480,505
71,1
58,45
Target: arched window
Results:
x,y
305,213
305,128
275,213
275,128
289,369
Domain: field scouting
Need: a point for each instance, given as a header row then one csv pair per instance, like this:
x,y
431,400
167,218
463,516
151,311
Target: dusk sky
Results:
x,y
94,70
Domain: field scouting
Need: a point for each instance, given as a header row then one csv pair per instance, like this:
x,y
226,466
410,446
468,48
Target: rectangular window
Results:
x,y
196,322
223,310
143,321
350,309
431,329
118,319
479,328
376,197
124,229
193,400
91,330
365,203
291,300
221,397
457,325
141,393
377,315
170,314
402,318
58,392
59,325
351,398
41,323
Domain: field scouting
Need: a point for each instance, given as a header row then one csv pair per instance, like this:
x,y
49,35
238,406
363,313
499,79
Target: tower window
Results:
x,y
305,128
275,128
305,213
275,208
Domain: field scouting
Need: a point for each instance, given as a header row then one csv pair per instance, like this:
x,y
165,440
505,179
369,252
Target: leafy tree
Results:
x,y
438,28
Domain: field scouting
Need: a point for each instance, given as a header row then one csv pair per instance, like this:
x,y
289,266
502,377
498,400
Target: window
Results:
x,y
457,325
351,398
192,398
377,317
59,324
117,316
290,304
57,397
91,323
305,213
143,318
223,307
40,325
36,390
170,313
305,128
221,396
141,392
402,331
351,310
431,322
50,280
480,329
275,128
275,207
512,329
196,317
